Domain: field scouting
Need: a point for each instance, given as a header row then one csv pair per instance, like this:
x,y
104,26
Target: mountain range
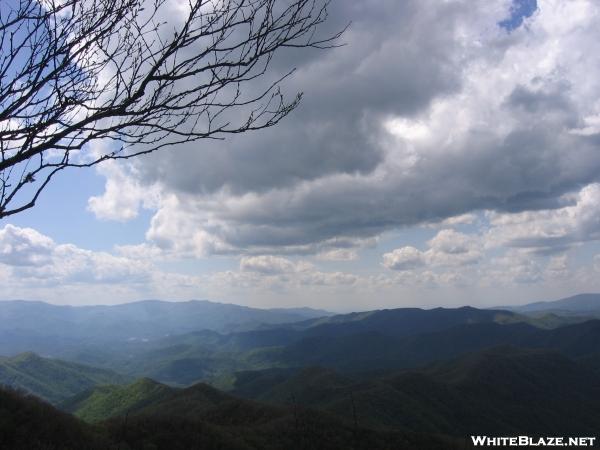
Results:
x,y
451,397
395,378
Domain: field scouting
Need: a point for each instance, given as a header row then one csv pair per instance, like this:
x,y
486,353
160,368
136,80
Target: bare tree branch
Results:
x,y
77,71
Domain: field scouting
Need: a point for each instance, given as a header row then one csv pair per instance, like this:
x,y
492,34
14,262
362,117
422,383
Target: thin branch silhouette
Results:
x,y
74,72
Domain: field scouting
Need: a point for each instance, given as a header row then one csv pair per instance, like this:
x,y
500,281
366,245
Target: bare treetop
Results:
x,y
76,71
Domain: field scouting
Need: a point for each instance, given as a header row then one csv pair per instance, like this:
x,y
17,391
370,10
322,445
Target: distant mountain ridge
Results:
x,y
582,303
207,355
577,304
25,326
402,321
376,340
373,340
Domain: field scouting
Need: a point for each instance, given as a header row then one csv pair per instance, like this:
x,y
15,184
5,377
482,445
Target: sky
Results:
x,y
447,154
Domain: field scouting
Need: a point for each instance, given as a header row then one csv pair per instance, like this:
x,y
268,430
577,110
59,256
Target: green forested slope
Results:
x,y
52,379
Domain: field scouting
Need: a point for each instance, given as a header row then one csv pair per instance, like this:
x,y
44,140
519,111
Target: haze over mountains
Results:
x,y
26,325
577,304
375,377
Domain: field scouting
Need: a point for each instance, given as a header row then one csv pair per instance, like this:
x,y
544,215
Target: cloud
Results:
x,y
337,136
340,254
448,248
451,248
24,247
347,91
272,270
417,121
271,265
432,116
550,231
515,266
123,194
405,258
462,219
33,266
335,279
30,255
558,268
451,242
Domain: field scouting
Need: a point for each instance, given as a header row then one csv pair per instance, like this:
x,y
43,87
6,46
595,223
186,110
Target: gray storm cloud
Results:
x,y
430,110
398,57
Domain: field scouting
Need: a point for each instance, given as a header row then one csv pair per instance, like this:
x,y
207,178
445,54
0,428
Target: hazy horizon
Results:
x,y
299,306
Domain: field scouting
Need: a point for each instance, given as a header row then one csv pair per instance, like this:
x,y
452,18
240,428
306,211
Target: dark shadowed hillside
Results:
x,y
27,422
493,391
225,423
375,350
502,390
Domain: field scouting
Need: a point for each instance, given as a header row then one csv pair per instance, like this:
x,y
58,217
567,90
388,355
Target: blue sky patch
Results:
x,y
519,11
